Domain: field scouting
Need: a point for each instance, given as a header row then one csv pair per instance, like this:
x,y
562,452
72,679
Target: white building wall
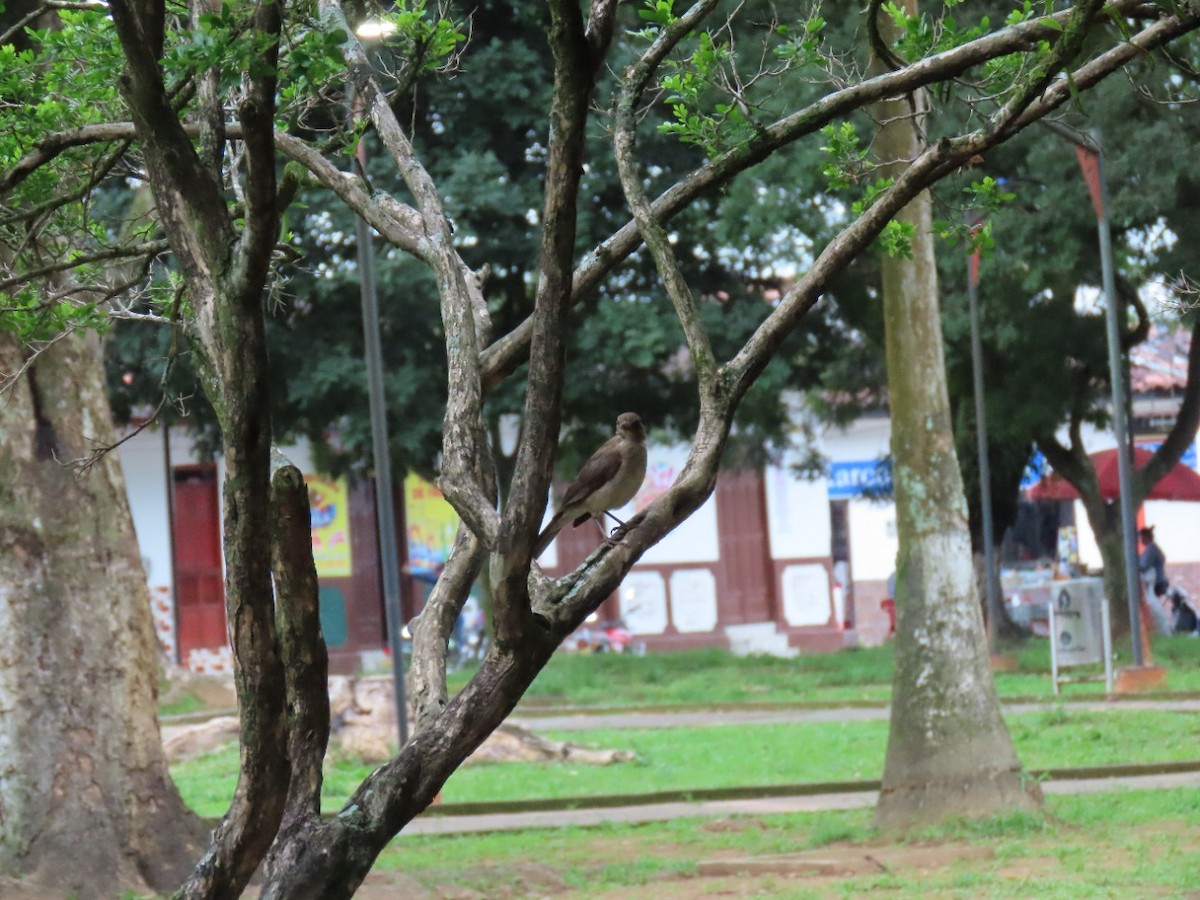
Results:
x,y
797,515
873,541
689,598
143,462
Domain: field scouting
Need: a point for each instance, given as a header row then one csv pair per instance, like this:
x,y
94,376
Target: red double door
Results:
x,y
199,575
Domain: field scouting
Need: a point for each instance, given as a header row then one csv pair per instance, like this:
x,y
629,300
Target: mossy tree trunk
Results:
x,y
949,752
86,804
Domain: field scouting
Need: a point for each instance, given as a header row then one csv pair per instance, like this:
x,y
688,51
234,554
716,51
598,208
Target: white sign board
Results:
x,y
806,599
1079,633
693,600
644,603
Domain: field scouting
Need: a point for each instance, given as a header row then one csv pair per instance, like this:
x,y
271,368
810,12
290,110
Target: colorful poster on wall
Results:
x,y
432,523
329,509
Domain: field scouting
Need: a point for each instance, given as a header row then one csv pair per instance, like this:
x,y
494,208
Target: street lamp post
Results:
x,y
385,511
1091,160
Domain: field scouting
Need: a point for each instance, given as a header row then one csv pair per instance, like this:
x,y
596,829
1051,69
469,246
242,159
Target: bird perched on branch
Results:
x,y
608,480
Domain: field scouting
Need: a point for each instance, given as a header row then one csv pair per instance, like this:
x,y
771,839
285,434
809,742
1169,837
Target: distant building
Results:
x,y
772,562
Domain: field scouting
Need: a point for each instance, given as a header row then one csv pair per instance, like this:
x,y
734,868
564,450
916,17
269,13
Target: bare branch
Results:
x,y
399,223
150,249
436,623
297,614
51,146
600,26
574,80
257,114
652,232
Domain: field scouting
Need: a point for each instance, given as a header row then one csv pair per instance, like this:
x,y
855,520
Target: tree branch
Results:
x,y
301,645
257,114
574,72
56,143
149,249
432,633
502,357
653,234
399,223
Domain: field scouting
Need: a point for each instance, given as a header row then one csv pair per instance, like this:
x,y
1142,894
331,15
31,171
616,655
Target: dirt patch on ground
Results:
x,y
725,874
482,883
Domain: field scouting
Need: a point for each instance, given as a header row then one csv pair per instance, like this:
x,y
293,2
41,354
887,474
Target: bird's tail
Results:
x,y
553,527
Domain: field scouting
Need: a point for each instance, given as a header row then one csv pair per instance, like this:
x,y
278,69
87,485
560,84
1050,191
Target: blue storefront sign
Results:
x,y
861,478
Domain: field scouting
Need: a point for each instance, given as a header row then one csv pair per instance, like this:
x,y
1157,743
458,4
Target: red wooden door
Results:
x,y
199,577
745,584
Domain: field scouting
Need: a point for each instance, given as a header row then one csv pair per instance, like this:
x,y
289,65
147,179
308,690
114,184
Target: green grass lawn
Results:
x,y
707,677
726,756
1112,845
1131,844
679,759
855,675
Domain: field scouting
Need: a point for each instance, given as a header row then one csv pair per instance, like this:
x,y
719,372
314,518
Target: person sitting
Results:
x,y
1183,615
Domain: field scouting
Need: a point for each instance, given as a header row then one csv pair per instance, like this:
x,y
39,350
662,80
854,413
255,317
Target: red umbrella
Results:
x,y
1180,483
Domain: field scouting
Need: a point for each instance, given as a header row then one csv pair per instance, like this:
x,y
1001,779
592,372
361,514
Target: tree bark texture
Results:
x,y
949,752
225,270
86,804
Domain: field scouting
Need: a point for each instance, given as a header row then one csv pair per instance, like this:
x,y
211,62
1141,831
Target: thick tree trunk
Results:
x,y
86,805
1105,519
949,752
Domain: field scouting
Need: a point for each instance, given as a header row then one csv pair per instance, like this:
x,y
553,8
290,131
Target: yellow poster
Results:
x,y
329,506
432,523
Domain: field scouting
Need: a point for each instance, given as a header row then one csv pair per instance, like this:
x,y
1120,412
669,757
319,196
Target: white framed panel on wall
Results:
x,y
806,597
693,600
797,515
643,602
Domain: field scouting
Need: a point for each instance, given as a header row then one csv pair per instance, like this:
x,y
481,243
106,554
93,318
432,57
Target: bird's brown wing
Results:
x,y
596,472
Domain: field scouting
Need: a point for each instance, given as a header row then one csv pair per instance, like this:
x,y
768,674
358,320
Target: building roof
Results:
x,y
1159,364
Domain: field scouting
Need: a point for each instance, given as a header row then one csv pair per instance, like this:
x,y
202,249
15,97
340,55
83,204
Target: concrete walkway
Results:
x,y
657,812
692,718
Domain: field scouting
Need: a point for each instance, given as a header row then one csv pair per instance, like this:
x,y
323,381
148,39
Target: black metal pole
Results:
x,y
985,475
1116,375
385,511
